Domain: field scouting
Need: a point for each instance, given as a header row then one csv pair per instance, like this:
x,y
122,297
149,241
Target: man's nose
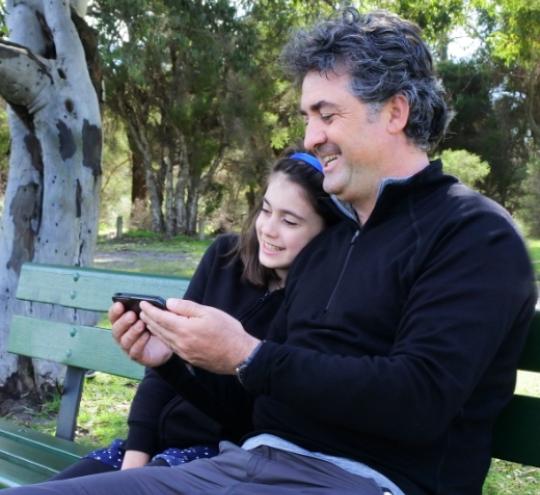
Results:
x,y
314,135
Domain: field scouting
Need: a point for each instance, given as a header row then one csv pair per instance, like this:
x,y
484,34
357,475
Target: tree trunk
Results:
x,y
193,205
170,217
181,188
52,196
138,182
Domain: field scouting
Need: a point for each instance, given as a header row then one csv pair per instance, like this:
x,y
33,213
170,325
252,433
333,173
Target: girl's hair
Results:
x,y
310,180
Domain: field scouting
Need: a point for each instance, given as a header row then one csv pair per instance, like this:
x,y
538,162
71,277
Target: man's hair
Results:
x,y
385,56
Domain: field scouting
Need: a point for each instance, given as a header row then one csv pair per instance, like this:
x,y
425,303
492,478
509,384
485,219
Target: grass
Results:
x,y
507,478
143,251
104,409
534,250
106,399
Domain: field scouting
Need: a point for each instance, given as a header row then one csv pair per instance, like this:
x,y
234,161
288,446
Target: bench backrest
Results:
x,y
78,346
517,433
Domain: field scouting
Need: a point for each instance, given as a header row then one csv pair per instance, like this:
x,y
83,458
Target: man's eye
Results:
x,y
327,116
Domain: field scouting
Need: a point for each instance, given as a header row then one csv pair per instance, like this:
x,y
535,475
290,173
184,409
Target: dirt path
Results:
x,y
130,258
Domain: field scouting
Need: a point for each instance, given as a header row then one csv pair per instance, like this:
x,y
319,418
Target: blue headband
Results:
x,y
309,159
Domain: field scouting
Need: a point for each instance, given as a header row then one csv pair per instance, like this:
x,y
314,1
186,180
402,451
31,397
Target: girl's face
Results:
x,y
285,224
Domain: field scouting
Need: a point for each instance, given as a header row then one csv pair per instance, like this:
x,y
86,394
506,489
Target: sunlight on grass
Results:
x,y
104,409
528,383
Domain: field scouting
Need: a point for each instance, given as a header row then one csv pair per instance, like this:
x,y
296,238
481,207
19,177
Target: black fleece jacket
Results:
x,y
401,337
159,417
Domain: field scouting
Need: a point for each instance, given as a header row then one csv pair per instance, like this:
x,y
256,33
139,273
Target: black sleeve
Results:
x,y
221,397
154,393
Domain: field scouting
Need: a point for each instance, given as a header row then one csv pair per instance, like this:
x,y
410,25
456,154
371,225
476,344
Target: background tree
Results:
x,y
173,75
530,201
51,201
468,167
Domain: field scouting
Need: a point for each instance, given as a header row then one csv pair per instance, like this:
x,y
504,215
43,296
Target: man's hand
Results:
x,y
201,335
135,340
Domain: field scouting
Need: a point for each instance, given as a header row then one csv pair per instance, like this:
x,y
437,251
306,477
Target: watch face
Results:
x,y
241,372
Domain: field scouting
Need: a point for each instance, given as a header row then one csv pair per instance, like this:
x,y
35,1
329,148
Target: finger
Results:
x,y
188,309
128,339
123,324
116,311
166,323
168,337
136,351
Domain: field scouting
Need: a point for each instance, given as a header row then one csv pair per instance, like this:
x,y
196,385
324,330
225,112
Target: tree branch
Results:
x,y
66,39
23,77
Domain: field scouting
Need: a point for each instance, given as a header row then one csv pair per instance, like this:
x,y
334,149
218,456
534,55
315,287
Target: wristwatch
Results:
x,y
241,370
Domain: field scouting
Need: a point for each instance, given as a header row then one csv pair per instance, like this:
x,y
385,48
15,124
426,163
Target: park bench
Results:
x,y
27,456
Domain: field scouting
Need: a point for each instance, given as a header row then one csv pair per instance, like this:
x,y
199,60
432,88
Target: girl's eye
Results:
x,y
291,223
266,211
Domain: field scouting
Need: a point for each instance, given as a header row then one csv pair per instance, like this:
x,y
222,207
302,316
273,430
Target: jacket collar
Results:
x,y
392,189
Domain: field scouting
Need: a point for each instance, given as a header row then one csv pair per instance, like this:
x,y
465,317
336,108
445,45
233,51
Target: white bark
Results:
x,y
52,197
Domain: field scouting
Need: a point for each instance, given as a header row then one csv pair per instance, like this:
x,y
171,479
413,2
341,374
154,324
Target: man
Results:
x,y
403,324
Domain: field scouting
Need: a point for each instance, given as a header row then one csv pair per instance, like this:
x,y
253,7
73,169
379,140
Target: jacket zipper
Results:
x,y
343,268
253,308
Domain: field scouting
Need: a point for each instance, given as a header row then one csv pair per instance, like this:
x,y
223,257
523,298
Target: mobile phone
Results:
x,y
131,301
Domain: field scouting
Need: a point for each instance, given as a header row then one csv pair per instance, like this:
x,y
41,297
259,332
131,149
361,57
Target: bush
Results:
x,y
467,167
530,201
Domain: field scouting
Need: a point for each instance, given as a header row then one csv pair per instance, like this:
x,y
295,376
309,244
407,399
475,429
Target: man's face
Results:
x,y
346,135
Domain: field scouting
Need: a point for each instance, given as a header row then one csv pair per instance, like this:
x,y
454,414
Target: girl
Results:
x,y
244,276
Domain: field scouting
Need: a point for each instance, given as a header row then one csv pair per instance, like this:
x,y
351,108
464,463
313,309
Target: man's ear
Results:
x,y
398,113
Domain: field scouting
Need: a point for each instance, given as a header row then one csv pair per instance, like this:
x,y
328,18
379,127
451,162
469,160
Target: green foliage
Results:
x,y
207,73
3,27
466,166
534,250
515,34
116,179
177,72
491,122
530,201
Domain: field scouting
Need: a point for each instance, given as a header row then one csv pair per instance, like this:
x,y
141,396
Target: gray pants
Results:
x,y
261,471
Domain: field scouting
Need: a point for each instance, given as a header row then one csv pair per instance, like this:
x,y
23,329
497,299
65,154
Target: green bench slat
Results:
x,y
27,456
88,288
72,345
15,475
530,359
32,457
517,434
21,434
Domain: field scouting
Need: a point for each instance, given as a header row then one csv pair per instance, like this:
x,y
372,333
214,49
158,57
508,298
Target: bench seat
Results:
x,y
28,456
